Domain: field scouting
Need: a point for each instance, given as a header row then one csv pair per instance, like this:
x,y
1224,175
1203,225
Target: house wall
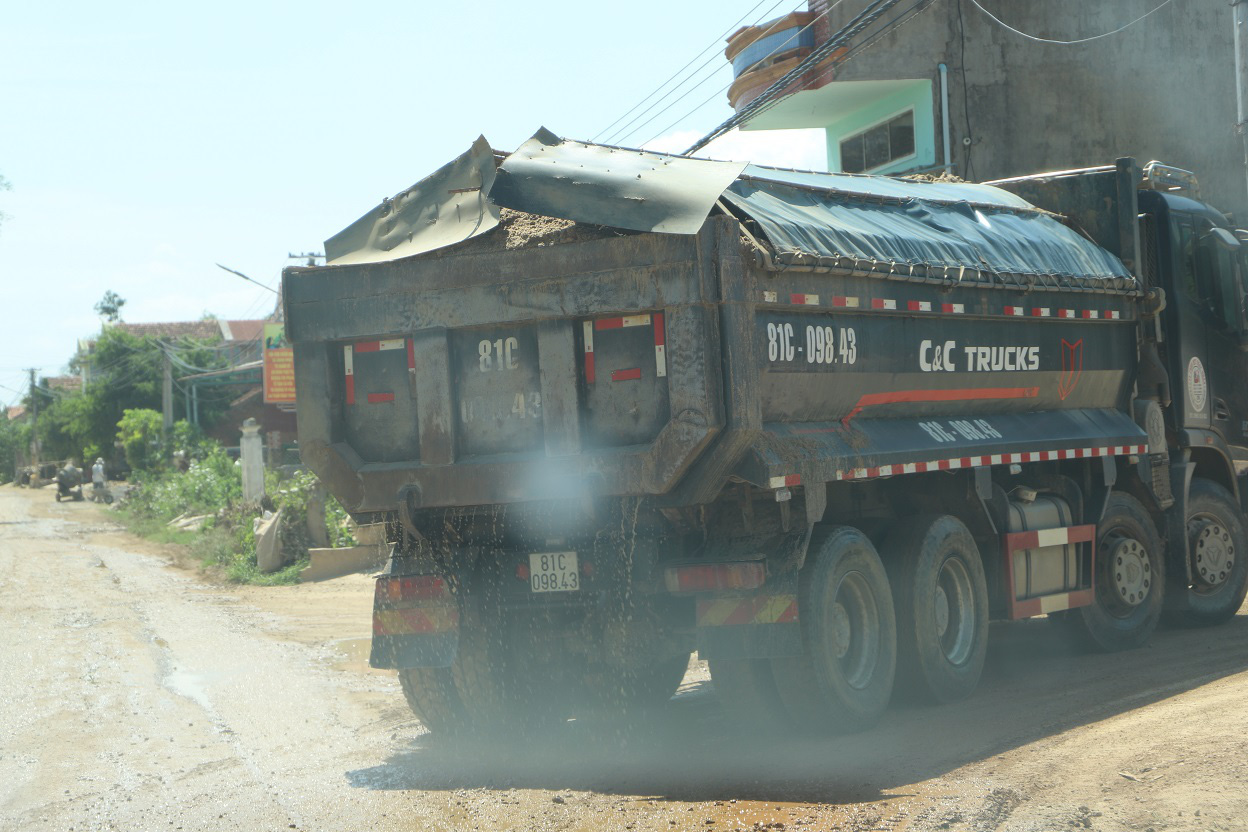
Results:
x,y
1162,89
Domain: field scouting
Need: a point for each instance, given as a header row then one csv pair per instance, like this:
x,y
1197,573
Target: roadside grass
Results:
x,y
225,544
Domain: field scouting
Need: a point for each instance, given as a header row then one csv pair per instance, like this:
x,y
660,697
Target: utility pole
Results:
x,y
34,422
166,394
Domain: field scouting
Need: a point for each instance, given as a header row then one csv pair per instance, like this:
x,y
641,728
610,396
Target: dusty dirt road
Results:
x,y
135,694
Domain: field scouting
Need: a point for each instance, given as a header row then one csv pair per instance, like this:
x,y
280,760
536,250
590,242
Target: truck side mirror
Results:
x,y
1223,238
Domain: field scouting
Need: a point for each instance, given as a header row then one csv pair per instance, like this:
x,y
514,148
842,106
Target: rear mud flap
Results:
x,y
423,650
756,626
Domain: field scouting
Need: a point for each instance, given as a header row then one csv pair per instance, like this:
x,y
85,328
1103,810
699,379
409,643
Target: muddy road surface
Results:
x,y
137,694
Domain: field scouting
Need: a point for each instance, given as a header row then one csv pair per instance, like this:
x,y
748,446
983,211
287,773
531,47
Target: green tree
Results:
x,y
138,431
14,439
126,373
109,307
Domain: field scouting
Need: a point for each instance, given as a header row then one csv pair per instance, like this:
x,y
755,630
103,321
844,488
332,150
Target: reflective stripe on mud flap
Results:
x,y
423,619
757,609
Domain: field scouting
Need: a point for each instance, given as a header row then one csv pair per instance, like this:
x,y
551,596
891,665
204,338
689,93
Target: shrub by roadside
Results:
x,y
226,541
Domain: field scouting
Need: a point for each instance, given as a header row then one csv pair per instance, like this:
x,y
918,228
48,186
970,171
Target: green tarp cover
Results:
x,y
829,218
967,231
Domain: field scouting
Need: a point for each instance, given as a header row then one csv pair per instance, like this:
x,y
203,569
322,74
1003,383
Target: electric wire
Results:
x,y
1124,27
892,25
853,52
713,45
620,135
856,25
724,88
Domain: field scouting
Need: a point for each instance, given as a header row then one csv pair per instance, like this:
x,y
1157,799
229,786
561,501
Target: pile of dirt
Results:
x,y
943,176
520,230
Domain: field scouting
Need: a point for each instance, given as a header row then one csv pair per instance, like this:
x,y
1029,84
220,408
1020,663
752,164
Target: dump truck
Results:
x,y
615,406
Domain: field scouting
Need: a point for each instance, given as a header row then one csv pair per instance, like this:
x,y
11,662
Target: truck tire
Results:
x,y
747,691
845,607
431,694
1219,551
480,671
941,599
1129,580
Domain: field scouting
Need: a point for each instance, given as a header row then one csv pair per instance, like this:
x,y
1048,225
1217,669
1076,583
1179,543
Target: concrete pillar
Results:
x,y
251,451
318,531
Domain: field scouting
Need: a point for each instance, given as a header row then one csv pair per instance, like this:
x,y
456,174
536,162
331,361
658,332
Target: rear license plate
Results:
x,y
554,572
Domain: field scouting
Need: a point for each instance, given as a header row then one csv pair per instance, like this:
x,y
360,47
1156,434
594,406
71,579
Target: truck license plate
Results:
x,y
554,572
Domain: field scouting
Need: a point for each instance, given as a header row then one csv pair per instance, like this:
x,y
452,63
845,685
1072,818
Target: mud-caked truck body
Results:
x,y
614,406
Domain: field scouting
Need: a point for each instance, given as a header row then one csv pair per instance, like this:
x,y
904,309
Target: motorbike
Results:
x,y
69,485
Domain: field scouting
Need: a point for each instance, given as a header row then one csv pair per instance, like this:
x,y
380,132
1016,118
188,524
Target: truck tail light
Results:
x,y
715,577
414,605
394,590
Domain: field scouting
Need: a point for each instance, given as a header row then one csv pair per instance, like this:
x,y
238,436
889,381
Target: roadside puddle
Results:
x,y
352,654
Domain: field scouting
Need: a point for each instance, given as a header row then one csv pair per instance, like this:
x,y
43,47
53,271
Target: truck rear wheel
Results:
x,y
747,692
1218,548
431,694
941,599
845,606
1129,580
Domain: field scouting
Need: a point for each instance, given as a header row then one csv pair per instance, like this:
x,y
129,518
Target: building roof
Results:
x,y
16,412
208,330
242,330
63,382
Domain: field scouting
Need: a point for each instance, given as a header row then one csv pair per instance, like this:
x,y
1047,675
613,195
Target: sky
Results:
x,y
147,142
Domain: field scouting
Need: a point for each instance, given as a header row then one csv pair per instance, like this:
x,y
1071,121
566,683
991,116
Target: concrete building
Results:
x,y
1162,88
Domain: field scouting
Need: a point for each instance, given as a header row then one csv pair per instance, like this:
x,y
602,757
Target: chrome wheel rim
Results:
x,y
955,611
1212,552
855,625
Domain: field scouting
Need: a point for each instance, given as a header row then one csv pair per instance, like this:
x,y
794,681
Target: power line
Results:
x,y
1007,26
624,132
245,277
716,93
713,45
856,25
896,23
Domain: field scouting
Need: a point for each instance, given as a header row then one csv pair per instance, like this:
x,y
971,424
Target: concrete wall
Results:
x,y
1162,89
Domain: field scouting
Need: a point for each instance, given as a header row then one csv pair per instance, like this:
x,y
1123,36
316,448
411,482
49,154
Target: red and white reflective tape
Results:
x,y
623,322
660,346
891,304
1018,541
589,352
787,481
348,361
380,345
957,463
